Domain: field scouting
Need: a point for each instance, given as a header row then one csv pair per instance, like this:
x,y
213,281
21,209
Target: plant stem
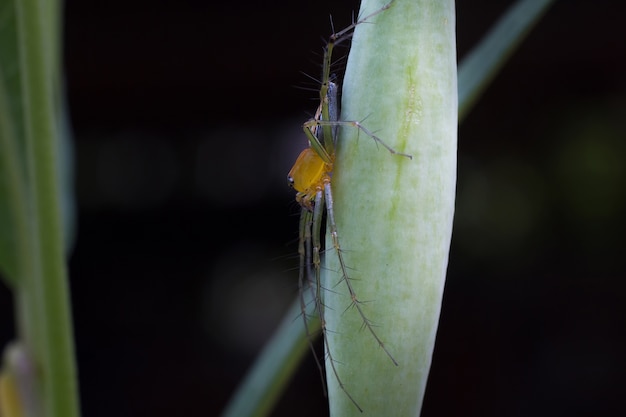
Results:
x,y
43,296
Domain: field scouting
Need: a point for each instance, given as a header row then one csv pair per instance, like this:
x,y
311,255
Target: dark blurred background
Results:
x,y
186,118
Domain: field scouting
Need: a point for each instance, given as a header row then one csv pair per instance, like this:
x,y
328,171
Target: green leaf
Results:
x,y
13,185
32,258
484,62
266,380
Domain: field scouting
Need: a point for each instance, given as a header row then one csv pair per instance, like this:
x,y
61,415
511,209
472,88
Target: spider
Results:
x,y
311,177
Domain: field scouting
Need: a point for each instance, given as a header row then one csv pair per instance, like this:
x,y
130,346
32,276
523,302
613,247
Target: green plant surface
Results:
x,y
395,214
32,245
13,191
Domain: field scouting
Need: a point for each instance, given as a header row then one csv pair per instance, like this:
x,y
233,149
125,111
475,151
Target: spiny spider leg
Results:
x,y
311,177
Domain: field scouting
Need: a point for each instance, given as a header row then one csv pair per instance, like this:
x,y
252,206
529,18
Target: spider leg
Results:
x,y
310,176
357,125
344,270
318,211
305,284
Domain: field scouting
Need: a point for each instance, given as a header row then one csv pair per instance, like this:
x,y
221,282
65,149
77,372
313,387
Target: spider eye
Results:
x,y
290,180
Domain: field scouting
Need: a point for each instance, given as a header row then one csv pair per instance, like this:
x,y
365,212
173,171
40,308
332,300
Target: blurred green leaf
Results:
x,y
13,193
32,258
483,63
